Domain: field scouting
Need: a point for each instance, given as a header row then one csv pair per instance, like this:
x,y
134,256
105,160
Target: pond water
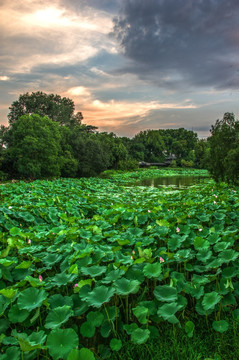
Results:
x,y
173,181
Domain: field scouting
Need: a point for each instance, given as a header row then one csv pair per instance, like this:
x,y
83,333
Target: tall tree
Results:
x,y
34,149
54,106
224,149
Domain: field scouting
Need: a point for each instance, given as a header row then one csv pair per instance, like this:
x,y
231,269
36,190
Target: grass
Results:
x,y
174,344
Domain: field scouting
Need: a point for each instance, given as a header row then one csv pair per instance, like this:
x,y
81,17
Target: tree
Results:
x,y
33,151
224,149
55,107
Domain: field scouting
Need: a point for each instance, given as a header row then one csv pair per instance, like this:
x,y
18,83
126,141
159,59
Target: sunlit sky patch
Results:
x,y
129,65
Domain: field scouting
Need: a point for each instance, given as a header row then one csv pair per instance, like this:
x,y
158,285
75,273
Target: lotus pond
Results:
x,y
86,263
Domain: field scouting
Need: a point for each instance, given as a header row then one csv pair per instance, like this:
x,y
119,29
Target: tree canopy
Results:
x,y
54,106
224,149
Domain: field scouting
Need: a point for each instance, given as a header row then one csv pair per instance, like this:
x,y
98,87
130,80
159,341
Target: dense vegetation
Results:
x,y
45,138
90,266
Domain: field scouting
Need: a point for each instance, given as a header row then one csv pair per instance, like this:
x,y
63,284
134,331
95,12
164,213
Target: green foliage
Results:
x,y
97,262
34,145
50,105
224,149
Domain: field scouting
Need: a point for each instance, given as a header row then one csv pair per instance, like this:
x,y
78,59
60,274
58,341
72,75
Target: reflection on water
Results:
x,y
175,181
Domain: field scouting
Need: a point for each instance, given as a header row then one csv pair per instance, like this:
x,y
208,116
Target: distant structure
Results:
x,y
166,163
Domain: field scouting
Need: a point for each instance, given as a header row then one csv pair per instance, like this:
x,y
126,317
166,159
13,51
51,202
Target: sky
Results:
x,y
128,65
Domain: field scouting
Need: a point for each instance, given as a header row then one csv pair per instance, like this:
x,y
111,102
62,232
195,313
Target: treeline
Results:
x,y
45,139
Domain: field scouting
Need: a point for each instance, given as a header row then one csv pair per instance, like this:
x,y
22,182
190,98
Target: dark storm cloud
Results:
x,y
181,42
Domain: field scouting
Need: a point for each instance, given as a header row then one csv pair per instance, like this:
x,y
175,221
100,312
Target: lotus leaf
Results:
x,y
130,328
99,296
94,270
152,270
140,336
59,300
60,342
12,353
63,278
95,318
220,326
113,275
85,354
115,344
16,315
141,313
126,287
168,311
210,300
58,316
87,329
31,298
165,293
228,255
106,329
189,328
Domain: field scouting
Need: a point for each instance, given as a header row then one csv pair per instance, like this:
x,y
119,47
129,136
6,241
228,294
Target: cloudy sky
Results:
x,y
129,65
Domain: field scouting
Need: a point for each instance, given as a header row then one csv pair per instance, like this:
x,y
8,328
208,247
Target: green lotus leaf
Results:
x,y
130,328
58,300
60,342
74,355
87,329
168,311
10,340
199,280
95,318
85,354
235,314
215,263
115,344
12,353
200,243
8,293
141,313
219,216
174,242
200,310
220,246
125,286
140,336
165,293
106,329
210,300
135,273
204,255
94,270
79,306
229,272
28,343
63,278
16,315
220,326
113,276
228,255
31,298
152,270
99,296
51,259
58,316
189,328
150,305
24,265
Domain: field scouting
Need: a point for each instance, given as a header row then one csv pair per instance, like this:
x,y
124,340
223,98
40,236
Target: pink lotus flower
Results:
x,y
177,229
133,252
161,259
29,241
40,278
131,257
75,285
149,211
